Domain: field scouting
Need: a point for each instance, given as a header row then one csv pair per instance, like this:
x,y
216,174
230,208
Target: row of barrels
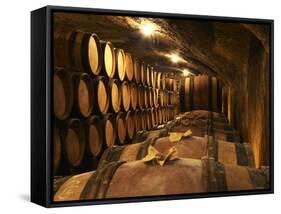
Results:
x,y
89,95
75,139
202,164
85,52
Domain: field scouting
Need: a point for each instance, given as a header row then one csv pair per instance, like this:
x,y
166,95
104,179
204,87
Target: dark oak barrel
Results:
x,y
155,97
120,64
203,92
102,97
189,147
180,176
143,73
152,117
57,150
73,141
85,95
125,93
140,97
129,66
133,95
159,80
153,75
109,129
226,135
114,89
148,75
143,119
203,114
137,71
94,136
150,97
130,125
121,127
109,59
63,93
146,97
78,50
196,129
160,115
138,121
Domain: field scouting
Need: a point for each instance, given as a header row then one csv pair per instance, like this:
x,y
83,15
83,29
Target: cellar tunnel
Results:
x,y
218,66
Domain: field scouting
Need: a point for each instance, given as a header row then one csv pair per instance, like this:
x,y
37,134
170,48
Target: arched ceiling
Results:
x,y
216,48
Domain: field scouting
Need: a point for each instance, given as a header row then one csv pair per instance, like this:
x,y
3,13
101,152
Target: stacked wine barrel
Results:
x,y
212,159
103,96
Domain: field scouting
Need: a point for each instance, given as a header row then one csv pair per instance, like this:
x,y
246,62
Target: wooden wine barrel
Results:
x,y
169,83
115,95
153,75
78,50
196,130
130,125
180,176
221,125
129,67
150,97
149,137
57,150
148,75
151,118
121,127
148,120
133,95
125,93
155,97
159,80
226,135
85,95
94,136
190,147
138,121
120,67
175,85
164,115
137,71
143,119
63,93
146,97
73,141
203,92
203,114
161,97
140,97
109,59
109,129
102,96
156,116
143,73
206,122
160,116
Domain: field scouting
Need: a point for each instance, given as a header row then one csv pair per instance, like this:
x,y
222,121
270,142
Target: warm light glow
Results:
x,y
174,57
148,28
185,72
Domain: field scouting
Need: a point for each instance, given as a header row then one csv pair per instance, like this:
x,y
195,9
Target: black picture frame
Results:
x,y
41,102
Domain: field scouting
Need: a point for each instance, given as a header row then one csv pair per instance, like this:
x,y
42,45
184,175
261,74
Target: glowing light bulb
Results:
x,y
185,72
175,58
147,28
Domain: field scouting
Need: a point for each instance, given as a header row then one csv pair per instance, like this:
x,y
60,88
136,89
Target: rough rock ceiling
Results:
x,y
216,48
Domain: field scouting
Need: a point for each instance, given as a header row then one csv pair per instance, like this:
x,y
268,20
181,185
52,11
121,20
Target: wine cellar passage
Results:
x,y
152,106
